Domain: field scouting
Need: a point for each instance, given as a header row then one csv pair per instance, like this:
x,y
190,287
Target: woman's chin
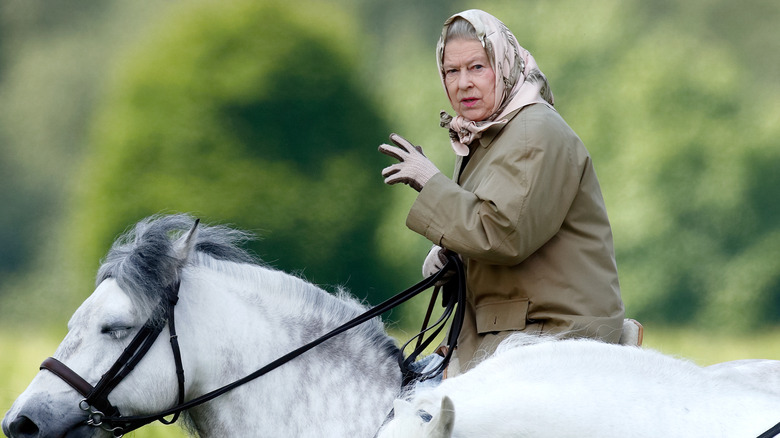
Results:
x,y
475,113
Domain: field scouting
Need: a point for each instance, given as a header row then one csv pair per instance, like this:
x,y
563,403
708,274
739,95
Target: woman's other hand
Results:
x,y
414,169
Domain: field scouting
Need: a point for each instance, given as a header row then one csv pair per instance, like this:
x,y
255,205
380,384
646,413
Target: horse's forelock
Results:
x,y
143,260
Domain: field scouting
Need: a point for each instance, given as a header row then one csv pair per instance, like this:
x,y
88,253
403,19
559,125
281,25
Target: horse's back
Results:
x,y
586,388
760,373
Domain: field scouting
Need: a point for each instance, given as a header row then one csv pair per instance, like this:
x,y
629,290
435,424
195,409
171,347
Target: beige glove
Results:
x,y
415,169
434,261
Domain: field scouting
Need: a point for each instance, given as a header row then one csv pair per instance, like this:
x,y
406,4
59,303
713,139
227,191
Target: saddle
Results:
x,y
632,334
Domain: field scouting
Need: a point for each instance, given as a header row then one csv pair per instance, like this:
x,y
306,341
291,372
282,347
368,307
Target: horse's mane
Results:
x,y
144,263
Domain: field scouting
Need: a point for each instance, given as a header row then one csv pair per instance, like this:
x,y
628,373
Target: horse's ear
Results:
x,y
441,425
186,244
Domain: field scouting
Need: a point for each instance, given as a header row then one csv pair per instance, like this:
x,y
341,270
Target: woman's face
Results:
x,y
469,79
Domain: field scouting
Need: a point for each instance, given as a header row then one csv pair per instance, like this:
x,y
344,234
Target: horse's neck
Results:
x,y
343,387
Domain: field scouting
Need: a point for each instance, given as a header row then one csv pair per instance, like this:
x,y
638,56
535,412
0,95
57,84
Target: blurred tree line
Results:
x,y
267,114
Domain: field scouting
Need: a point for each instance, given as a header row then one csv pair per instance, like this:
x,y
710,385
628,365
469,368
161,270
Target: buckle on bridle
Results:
x,y
95,416
95,419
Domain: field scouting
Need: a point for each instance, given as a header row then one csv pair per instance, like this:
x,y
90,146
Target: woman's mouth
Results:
x,y
469,102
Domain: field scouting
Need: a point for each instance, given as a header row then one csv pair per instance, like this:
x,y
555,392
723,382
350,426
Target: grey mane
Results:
x,y
144,263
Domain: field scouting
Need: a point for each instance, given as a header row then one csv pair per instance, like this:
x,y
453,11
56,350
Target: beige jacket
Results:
x,y
529,220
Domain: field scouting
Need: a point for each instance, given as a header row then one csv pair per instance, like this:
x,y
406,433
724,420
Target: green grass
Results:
x,y
21,355
707,348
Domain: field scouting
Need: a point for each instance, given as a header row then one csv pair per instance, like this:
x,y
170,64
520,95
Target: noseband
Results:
x,y
101,413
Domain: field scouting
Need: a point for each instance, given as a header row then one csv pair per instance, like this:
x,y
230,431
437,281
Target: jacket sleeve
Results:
x,y
528,180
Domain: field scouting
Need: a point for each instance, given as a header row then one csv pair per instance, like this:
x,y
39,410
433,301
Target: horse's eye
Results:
x,y
115,332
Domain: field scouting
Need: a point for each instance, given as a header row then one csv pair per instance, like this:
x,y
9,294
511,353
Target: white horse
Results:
x,y
232,317
537,387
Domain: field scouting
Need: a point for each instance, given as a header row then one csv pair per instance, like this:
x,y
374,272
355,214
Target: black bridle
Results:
x,y
101,413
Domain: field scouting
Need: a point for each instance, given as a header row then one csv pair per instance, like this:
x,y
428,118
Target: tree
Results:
x,y
244,113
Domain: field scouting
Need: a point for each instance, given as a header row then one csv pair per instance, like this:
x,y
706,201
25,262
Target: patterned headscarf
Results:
x,y
519,82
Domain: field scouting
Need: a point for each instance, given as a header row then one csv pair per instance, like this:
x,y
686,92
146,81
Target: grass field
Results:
x,y
21,355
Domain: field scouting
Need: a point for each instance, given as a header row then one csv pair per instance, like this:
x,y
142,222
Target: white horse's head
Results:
x,y
97,334
137,271
410,422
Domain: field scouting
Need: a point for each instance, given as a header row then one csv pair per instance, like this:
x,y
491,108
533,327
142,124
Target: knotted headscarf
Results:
x,y
519,82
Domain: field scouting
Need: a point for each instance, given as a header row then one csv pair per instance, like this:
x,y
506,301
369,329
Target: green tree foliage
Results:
x,y
54,60
244,113
37,137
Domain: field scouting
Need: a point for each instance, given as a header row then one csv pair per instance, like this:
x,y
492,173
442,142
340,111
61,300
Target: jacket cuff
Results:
x,y
424,217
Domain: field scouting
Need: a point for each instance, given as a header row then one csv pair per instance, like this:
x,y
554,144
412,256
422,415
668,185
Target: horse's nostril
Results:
x,y
23,427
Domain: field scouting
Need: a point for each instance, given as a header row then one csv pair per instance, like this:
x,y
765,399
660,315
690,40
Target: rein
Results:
x,y
774,431
101,413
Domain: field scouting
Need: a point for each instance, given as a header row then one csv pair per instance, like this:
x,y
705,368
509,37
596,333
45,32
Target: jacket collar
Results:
x,y
491,133
485,141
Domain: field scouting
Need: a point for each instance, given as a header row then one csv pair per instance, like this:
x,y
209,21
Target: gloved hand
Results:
x,y
434,261
415,169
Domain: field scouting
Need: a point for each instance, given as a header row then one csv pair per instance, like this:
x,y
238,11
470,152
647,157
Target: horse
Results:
x,y
547,387
234,314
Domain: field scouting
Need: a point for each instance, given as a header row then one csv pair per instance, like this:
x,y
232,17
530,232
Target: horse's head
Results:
x,y
134,278
409,422
97,334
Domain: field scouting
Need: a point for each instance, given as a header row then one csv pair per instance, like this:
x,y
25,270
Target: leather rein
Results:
x,y
101,413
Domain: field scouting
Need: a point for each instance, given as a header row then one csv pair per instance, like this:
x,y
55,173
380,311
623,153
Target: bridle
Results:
x,y
101,413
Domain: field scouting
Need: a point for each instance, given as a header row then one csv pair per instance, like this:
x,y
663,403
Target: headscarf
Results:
x,y
512,64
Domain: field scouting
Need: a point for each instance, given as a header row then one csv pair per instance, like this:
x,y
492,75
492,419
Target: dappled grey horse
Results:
x,y
232,317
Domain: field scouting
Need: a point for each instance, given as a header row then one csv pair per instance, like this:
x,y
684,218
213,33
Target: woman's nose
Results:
x,y
464,80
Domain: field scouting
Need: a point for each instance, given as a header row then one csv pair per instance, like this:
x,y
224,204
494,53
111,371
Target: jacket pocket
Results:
x,y
502,316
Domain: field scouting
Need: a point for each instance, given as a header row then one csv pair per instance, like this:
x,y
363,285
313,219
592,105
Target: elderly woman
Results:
x,y
524,209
